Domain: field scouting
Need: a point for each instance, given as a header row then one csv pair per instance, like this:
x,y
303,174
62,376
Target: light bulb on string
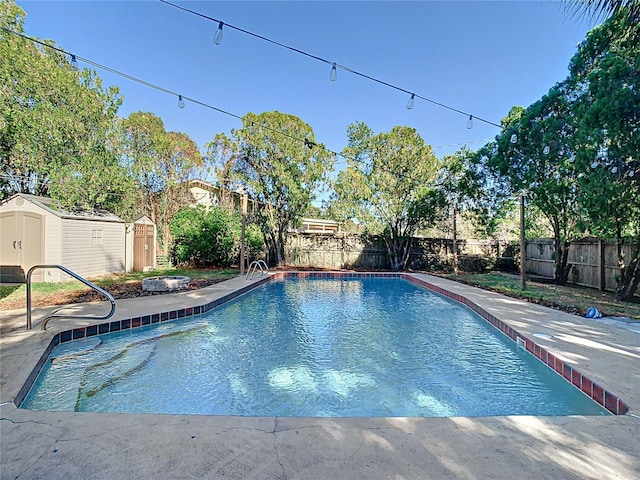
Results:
x,y
334,73
546,150
614,169
514,138
74,61
180,101
572,158
470,122
411,101
218,37
631,173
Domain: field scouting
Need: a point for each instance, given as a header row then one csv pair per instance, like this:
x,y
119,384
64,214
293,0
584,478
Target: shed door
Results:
x,y
143,247
22,244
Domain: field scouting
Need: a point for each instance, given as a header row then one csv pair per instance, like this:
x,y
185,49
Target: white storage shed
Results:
x,y
33,232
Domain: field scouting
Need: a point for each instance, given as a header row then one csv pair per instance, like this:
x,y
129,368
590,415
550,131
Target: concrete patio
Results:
x,y
57,445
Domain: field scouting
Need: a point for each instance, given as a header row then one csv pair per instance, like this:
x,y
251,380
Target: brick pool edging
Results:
x,y
596,392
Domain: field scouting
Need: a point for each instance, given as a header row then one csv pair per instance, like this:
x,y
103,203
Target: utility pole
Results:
x,y
523,245
243,213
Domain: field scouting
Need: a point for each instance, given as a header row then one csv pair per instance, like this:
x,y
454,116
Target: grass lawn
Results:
x,y
570,298
125,285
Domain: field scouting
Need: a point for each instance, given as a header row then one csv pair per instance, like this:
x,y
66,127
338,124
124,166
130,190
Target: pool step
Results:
x,y
105,374
133,358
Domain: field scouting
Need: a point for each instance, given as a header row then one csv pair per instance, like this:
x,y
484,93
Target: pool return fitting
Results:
x,y
48,317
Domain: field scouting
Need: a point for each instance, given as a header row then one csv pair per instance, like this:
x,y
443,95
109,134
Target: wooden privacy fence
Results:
x,y
594,261
348,250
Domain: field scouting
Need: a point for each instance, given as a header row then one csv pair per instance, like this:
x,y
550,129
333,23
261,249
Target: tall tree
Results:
x,y
57,124
535,153
274,155
388,186
461,185
161,162
222,154
606,84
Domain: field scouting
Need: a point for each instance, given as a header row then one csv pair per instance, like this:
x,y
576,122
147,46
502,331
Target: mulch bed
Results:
x,y
119,291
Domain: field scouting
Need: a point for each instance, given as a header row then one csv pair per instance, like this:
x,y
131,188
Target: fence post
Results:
x,y
601,258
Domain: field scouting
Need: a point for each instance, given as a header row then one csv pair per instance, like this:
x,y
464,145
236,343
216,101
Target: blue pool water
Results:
x,y
318,347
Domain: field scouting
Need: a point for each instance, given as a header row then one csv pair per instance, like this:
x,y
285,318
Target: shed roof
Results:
x,y
46,204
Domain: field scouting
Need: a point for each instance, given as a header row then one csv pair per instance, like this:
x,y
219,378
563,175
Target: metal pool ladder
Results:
x,y
253,269
46,319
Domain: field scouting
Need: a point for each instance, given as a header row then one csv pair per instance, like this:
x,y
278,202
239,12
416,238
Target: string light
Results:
x,y
514,138
546,150
74,62
320,59
309,144
411,100
470,122
334,73
217,39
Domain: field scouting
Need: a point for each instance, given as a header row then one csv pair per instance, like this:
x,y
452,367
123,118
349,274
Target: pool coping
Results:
x,y
568,372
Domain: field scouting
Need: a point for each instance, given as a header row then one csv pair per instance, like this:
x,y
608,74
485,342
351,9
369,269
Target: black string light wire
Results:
x,y
183,98
333,65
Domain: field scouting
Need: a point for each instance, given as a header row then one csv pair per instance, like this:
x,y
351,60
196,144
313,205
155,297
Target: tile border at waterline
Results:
x,y
599,394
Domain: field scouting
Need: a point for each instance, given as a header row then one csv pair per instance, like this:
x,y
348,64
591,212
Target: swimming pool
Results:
x,y
319,347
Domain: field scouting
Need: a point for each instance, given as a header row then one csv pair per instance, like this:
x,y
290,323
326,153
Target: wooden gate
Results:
x,y
144,248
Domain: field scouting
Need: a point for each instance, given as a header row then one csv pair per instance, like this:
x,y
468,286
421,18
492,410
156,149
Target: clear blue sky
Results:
x,y
480,57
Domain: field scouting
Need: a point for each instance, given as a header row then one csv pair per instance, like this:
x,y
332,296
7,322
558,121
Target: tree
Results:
x,y
388,186
57,125
606,85
222,155
461,185
575,151
274,155
535,154
161,163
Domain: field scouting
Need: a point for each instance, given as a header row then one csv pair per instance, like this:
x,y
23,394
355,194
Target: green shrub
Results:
x,y
475,263
211,237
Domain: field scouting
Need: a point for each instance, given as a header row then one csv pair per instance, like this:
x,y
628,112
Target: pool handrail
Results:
x,y
253,268
48,317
